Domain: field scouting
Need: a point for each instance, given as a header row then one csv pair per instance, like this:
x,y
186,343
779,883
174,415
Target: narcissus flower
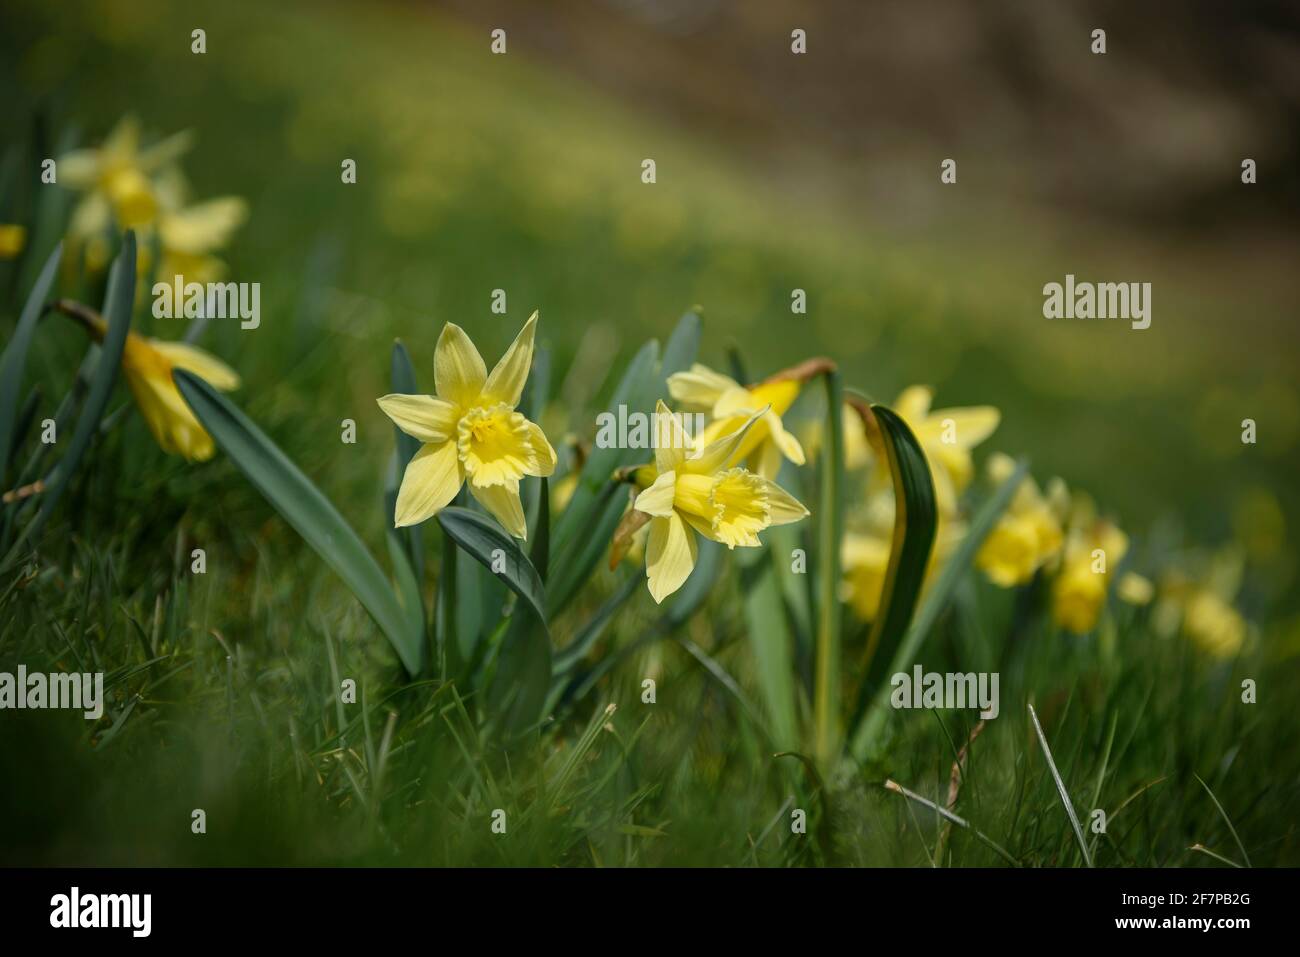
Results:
x,y
946,436
147,364
694,488
731,406
471,433
1029,534
116,179
1092,551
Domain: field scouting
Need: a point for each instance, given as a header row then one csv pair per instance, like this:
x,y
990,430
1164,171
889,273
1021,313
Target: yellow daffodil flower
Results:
x,y
946,436
731,405
12,240
116,180
693,486
1202,606
471,432
147,364
1027,536
1091,553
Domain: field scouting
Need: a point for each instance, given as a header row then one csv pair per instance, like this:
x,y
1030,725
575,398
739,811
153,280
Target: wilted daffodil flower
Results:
x,y
731,405
946,436
116,179
471,432
692,485
1029,533
147,364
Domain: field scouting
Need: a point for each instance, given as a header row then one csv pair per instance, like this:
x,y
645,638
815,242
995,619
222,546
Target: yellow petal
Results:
x,y
541,449
913,404
670,439
423,417
165,151
78,169
168,416
719,453
458,369
199,361
700,387
203,227
506,383
658,499
670,556
432,479
783,508
503,502
779,395
968,427
737,401
786,442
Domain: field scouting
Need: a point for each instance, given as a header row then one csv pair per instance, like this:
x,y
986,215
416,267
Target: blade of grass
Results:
x,y
1226,820
1060,788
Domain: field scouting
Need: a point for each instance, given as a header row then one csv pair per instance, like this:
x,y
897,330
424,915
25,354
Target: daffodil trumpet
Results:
x,y
147,365
470,432
693,488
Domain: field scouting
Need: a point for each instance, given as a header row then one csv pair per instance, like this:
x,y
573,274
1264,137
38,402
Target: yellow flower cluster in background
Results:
x,y
127,186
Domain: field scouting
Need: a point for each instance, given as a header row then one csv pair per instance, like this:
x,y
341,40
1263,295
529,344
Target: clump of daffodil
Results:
x,y
147,365
116,179
1092,550
730,406
693,488
471,433
947,437
1029,534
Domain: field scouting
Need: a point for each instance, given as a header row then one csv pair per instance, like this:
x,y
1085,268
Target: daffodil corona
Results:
x,y
689,489
471,433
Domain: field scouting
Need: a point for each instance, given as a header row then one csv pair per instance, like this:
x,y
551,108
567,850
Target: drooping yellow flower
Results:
x,y
116,180
693,487
1027,536
1092,552
731,405
471,432
13,238
147,364
946,436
